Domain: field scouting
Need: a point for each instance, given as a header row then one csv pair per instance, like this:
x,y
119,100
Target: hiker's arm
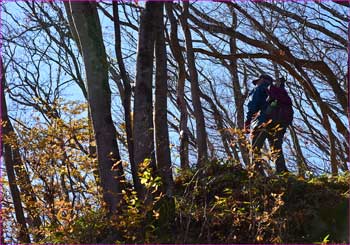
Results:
x,y
254,105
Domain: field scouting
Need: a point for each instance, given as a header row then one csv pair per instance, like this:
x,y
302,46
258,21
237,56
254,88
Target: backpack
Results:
x,y
279,109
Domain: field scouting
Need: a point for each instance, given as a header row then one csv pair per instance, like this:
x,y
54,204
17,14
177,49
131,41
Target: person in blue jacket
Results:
x,y
262,125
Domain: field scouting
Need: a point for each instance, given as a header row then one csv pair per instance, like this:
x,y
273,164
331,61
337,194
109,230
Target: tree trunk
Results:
x,y
180,100
10,164
202,147
325,120
166,204
301,161
88,28
163,158
127,97
238,96
219,124
143,113
332,148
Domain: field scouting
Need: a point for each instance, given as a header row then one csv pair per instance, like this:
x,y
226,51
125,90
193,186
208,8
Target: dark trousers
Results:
x,y
274,134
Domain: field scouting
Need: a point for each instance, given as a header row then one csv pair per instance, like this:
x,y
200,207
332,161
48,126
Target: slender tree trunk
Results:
x,y
25,186
332,148
202,147
143,113
92,149
219,124
238,96
180,100
72,28
88,29
23,236
10,165
301,162
127,97
325,120
163,158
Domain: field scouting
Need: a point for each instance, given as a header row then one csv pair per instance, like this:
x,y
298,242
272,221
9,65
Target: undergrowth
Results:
x,y
236,206
224,203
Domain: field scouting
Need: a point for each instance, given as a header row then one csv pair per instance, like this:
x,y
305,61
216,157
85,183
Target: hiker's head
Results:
x,y
263,78
280,82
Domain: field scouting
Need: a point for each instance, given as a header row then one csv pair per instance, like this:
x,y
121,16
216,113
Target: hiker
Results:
x,y
269,114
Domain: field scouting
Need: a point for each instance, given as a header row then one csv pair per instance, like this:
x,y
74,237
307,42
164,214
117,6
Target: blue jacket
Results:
x,y
257,104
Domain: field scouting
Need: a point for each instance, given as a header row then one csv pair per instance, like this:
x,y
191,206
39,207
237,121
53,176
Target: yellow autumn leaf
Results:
x,y
259,238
